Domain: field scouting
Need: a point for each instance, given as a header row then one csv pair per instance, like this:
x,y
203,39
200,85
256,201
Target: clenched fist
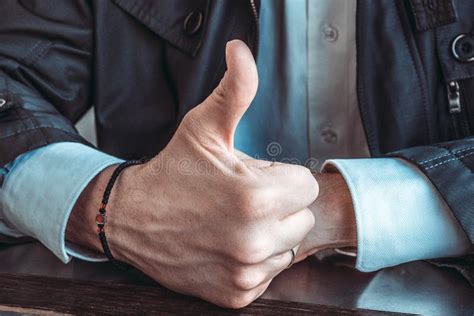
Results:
x,y
199,218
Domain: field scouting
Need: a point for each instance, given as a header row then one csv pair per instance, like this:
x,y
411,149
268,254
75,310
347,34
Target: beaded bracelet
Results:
x,y
101,217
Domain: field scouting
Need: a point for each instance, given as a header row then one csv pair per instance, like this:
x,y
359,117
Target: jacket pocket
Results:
x,y
182,23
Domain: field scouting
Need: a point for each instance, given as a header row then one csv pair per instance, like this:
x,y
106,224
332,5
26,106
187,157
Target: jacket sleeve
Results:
x,y
45,62
450,167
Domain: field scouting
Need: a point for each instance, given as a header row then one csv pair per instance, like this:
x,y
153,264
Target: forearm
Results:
x,y
335,220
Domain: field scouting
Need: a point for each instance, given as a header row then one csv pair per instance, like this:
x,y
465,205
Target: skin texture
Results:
x,y
200,218
335,225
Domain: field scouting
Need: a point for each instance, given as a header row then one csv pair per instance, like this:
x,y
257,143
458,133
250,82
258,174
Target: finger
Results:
x,y
225,106
263,272
261,289
294,185
292,230
278,263
246,297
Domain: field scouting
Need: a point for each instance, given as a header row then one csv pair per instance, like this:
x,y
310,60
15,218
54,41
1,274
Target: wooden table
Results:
x,y
33,281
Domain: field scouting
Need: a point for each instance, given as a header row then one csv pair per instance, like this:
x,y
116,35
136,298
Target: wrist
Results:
x,y
335,225
336,207
132,196
125,213
81,229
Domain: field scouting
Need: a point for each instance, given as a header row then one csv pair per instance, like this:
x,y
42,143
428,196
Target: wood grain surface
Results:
x,y
29,294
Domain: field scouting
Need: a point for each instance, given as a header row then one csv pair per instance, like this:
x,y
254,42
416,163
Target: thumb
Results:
x,y
225,106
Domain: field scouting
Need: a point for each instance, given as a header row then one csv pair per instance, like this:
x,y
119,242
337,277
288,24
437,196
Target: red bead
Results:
x,y
100,219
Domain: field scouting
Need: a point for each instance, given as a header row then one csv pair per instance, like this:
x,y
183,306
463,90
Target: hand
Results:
x,y
334,217
198,219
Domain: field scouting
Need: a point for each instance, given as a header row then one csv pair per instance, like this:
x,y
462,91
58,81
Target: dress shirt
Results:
x,y
40,189
307,99
307,94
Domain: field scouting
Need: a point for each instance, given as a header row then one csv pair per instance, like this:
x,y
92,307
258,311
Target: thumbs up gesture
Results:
x,y
201,220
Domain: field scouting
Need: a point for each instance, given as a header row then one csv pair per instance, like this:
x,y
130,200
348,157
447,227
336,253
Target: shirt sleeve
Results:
x,y
400,215
40,189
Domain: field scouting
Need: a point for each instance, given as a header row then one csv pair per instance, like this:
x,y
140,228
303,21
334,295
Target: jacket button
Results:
x,y
329,135
463,48
192,23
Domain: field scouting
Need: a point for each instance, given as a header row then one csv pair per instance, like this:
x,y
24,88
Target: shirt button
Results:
x,y
192,23
329,135
463,48
330,33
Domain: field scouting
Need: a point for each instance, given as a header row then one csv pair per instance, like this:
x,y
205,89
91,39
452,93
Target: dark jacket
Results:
x,y
143,64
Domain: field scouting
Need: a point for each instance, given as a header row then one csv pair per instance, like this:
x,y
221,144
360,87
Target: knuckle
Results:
x,y
188,118
306,173
314,187
238,300
309,182
244,279
252,251
219,94
192,127
308,220
311,219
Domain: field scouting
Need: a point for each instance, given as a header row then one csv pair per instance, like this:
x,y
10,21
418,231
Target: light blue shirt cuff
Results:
x,y
400,215
40,189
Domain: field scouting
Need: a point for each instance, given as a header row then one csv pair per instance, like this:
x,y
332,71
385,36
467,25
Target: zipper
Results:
x,y
454,97
458,116
253,8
